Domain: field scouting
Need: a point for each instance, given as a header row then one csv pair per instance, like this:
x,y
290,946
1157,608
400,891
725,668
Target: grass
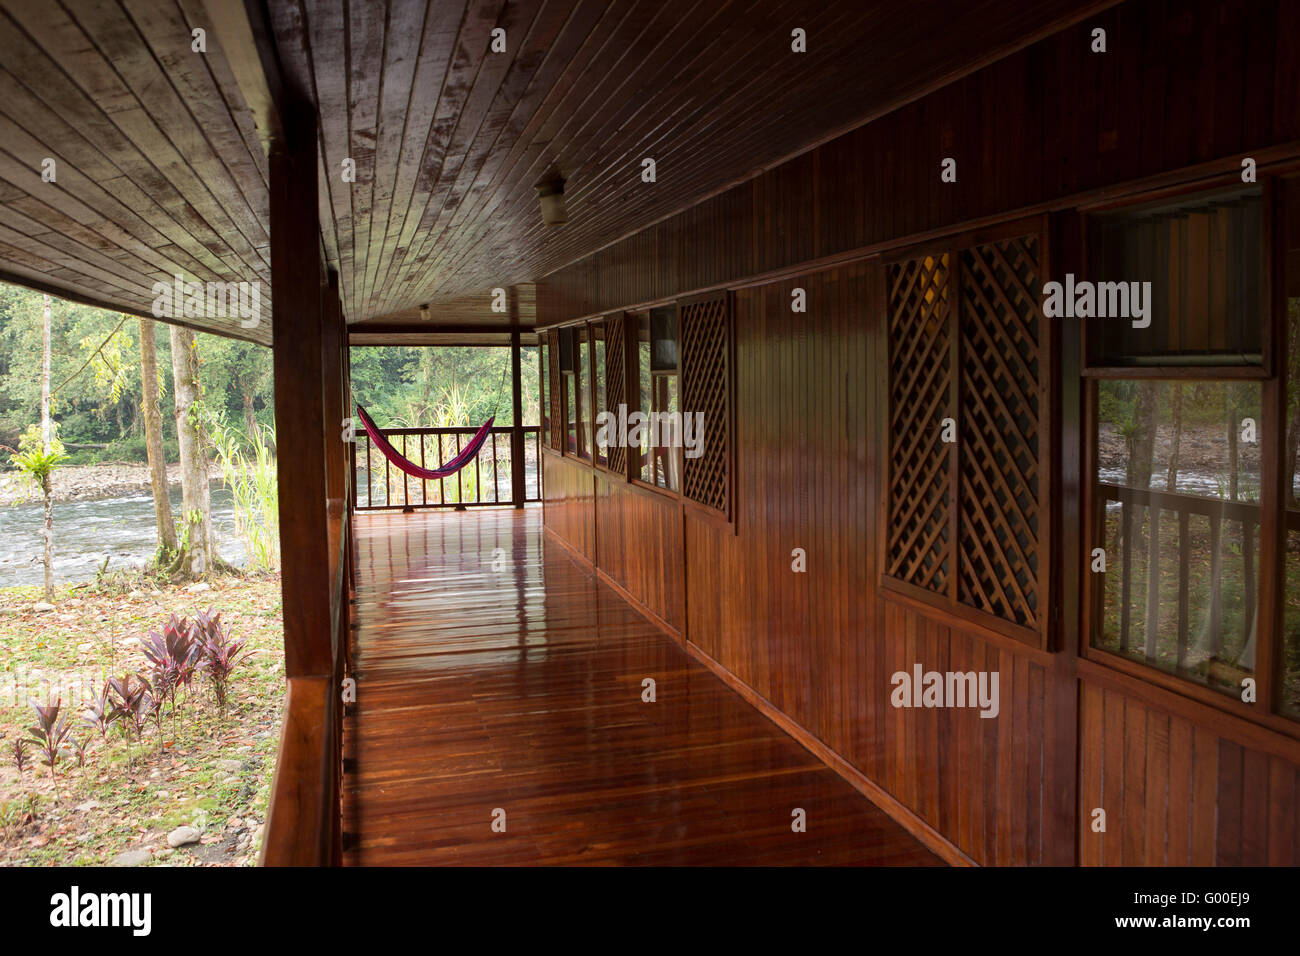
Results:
x,y
130,795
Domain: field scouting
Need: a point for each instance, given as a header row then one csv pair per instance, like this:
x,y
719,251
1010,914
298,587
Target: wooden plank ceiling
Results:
x,y
158,166
160,169
450,138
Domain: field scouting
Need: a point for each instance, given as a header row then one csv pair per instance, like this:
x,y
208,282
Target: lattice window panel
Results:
x,y
557,403
998,429
919,399
705,356
615,382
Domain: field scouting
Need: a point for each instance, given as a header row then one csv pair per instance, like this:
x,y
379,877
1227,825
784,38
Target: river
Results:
x,y
85,531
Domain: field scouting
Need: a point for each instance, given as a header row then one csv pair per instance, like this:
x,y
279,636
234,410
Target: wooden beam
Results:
x,y
518,481
299,409
227,330
244,34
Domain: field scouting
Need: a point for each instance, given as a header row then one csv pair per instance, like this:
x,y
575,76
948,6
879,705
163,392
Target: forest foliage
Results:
x,y
400,386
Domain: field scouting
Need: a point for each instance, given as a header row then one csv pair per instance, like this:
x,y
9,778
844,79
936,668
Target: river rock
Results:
x,y
199,587
41,607
181,836
230,766
131,858
87,806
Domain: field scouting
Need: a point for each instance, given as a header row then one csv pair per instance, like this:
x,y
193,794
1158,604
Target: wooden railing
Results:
x,y
304,822
490,479
1159,507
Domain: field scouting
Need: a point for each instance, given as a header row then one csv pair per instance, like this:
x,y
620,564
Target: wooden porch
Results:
x,y
511,679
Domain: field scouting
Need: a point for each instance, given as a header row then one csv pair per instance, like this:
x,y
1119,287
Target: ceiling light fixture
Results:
x,y
424,312
551,193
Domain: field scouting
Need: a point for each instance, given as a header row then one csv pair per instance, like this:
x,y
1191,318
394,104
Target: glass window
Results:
x,y
1289,696
644,400
571,413
1193,268
545,351
598,380
1178,502
582,372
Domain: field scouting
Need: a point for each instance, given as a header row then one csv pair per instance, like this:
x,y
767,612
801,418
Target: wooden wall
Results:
x,y
569,496
1179,791
1181,84
640,546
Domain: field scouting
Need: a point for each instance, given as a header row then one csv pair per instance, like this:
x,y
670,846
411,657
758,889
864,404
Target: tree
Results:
x,y
47,442
196,554
162,505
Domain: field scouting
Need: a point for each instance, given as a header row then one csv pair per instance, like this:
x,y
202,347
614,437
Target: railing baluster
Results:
x,y
1153,583
1184,574
1248,576
370,474
1126,578
406,479
1216,604
424,482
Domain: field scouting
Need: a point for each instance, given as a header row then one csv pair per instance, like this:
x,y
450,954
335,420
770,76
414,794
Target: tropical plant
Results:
x,y
50,732
19,750
250,477
173,657
134,699
79,745
100,713
220,652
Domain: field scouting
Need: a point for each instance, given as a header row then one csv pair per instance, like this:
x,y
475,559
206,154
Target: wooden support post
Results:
x,y
302,826
518,477
296,302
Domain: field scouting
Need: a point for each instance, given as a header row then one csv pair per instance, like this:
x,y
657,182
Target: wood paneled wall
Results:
x,y
1178,792
639,545
570,495
1181,84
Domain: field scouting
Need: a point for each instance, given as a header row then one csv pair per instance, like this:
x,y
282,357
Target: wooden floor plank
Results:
x,y
511,680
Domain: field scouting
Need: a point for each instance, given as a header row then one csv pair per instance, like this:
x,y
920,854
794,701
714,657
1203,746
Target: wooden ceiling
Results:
x,y
449,138
160,168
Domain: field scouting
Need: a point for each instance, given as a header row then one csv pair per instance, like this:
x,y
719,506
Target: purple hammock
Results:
x,y
466,455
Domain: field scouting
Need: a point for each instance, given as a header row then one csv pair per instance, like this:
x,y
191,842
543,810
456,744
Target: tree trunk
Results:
x,y
47,536
47,437
1171,477
249,421
153,441
1234,455
197,552
1146,416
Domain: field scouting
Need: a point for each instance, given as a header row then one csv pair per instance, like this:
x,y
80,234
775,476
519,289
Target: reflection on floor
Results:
x,y
498,679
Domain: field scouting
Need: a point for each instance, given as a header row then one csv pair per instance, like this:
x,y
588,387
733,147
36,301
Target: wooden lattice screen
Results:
x,y
705,357
919,398
557,403
998,430
965,343
615,385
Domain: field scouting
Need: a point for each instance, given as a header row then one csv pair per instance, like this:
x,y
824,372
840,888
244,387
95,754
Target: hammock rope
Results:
x,y
463,458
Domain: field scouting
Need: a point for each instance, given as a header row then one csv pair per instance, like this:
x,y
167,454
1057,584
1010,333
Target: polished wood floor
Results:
x,y
497,676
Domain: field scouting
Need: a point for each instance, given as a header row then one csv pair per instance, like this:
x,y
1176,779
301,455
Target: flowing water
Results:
x,y
121,528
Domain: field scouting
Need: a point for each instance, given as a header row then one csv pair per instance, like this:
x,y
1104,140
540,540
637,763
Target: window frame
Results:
x,y
947,604
635,461
1271,375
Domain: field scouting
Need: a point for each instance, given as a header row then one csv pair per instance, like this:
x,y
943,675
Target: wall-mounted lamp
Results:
x,y
551,193
424,312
